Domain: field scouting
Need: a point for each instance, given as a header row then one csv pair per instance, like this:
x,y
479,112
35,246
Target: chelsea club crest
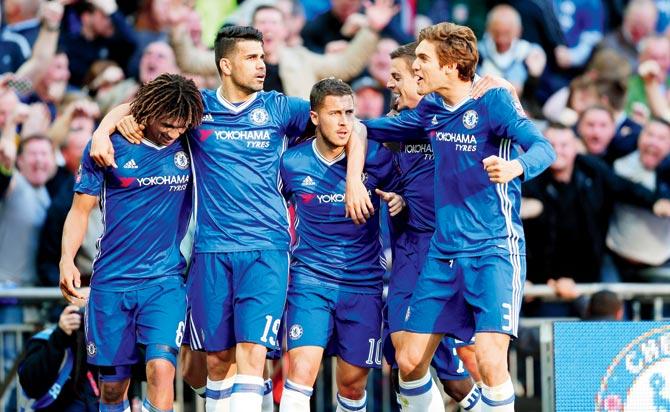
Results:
x,y
638,378
259,116
181,160
470,119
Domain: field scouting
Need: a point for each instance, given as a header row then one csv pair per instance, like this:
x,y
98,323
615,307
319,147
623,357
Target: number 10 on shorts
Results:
x,y
272,340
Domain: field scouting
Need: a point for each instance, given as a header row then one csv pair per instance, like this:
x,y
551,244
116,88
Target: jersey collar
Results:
x,y
233,108
323,159
152,145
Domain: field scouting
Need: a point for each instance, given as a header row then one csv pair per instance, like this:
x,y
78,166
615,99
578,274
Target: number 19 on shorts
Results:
x,y
269,324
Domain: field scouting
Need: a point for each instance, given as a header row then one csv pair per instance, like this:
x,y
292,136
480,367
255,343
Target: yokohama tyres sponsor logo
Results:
x,y
162,180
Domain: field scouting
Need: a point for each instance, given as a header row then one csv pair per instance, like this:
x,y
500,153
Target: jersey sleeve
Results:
x,y
507,120
89,176
296,116
407,125
389,171
283,174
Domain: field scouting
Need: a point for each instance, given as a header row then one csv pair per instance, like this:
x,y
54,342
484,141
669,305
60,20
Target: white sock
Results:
x,y
295,397
247,394
351,405
217,395
471,402
268,400
421,395
498,398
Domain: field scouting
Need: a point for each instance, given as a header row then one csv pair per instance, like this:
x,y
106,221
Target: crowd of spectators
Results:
x,y
593,74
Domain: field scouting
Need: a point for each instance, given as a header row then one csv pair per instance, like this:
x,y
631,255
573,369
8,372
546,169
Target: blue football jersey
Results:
x,y
416,164
474,216
146,205
330,248
236,154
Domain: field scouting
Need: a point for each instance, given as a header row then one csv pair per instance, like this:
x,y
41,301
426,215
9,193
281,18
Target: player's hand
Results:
x,y
394,201
662,208
488,82
501,170
359,205
128,127
650,71
380,13
70,281
102,150
70,319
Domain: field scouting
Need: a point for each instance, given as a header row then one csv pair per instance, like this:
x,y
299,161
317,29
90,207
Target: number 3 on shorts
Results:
x,y
275,330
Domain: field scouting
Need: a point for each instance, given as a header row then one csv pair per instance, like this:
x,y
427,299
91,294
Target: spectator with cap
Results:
x,y
104,34
369,98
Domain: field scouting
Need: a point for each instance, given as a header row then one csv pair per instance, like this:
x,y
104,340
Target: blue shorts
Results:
x,y
410,252
237,297
116,322
345,324
463,296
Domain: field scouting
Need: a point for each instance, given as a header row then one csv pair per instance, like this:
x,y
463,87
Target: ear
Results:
x,y
315,118
225,66
449,68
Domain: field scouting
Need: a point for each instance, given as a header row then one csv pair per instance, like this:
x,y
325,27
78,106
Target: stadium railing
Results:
x,y
522,367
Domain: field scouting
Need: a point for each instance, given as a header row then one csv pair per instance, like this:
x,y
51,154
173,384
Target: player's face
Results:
x,y
654,144
430,75
165,131
403,84
247,68
597,129
335,119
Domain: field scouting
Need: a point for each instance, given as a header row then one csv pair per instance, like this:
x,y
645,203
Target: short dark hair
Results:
x,y
406,51
32,138
265,7
168,96
603,305
328,87
228,37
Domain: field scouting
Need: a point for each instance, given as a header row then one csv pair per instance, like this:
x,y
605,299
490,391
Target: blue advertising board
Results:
x,y
612,366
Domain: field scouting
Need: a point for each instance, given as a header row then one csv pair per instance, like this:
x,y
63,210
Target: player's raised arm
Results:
x,y
102,151
508,120
407,125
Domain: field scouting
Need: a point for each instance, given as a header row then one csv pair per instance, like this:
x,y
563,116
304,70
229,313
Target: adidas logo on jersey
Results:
x,y
130,164
207,118
308,181
434,121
